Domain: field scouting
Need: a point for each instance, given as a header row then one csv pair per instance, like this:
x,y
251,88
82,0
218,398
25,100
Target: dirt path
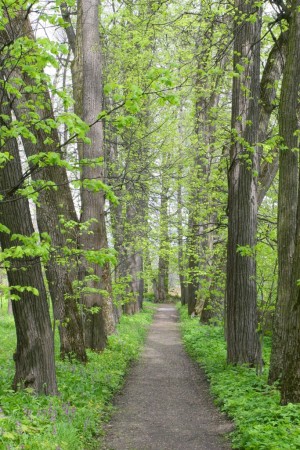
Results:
x,y
165,404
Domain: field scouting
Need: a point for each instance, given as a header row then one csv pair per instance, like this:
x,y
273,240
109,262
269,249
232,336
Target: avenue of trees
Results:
x,y
149,148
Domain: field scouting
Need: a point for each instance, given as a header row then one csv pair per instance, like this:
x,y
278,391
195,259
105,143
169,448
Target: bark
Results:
x,y
54,203
290,351
286,318
117,222
180,246
162,285
87,83
141,285
268,89
133,260
207,301
116,212
134,289
34,357
70,32
181,254
60,274
193,265
214,306
243,344
209,310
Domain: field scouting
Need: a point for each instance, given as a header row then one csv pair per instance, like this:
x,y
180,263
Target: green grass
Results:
x,y
73,419
261,423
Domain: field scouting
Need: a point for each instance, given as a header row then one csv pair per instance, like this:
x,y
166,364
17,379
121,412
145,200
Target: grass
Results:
x,y
73,419
261,423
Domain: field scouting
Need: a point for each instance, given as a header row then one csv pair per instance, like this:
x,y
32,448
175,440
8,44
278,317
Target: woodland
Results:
x,y
149,151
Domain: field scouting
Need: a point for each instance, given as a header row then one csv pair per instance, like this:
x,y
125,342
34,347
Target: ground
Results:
x,y
165,404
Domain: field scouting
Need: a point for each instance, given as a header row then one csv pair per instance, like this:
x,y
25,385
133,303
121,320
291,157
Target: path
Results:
x,y
165,404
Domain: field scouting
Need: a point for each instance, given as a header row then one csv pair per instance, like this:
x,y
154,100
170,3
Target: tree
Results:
x,y
162,280
206,202
49,178
34,356
285,352
243,344
272,73
87,85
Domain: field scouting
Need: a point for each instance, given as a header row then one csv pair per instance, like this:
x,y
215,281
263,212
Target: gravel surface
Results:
x,y
165,403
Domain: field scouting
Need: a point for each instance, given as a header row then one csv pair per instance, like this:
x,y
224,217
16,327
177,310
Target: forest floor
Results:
x,y
165,403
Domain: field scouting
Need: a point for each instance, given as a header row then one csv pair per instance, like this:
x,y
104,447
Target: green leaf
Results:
x,y
4,229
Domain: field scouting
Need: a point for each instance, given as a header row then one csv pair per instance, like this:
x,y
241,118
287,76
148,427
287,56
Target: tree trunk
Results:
x,y
243,344
285,353
162,286
53,204
180,246
268,89
209,310
99,322
193,264
132,261
34,357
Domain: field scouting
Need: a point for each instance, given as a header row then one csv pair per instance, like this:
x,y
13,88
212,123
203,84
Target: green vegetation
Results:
x,y
73,419
261,423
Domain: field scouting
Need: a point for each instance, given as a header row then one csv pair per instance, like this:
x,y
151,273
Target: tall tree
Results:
x,y
243,344
162,282
285,352
51,181
34,356
271,75
87,85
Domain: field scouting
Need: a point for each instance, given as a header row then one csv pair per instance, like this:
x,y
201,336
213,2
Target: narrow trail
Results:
x,y
165,404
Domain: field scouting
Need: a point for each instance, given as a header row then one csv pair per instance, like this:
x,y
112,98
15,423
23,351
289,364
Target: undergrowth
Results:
x,y
73,419
261,423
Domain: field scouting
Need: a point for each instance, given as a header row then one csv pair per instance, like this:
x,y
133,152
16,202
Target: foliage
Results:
x,y
167,88
266,258
261,423
73,419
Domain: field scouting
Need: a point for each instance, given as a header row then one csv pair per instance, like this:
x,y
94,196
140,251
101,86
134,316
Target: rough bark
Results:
x,y
87,69
60,274
34,356
286,325
53,203
132,258
162,286
243,344
268,89
193,265
182,282
209,310
117,222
